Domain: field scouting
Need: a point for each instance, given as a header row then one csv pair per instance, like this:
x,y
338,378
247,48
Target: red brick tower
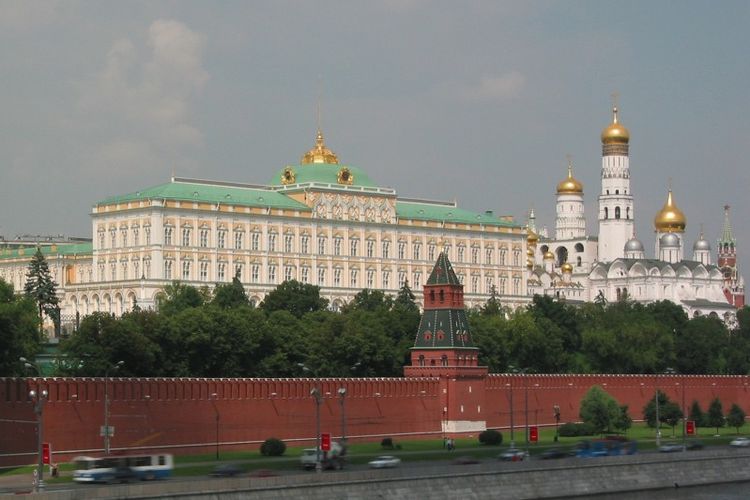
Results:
x,y
734,286
443,348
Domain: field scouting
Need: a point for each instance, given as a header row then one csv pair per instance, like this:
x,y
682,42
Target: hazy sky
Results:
x,y
477,101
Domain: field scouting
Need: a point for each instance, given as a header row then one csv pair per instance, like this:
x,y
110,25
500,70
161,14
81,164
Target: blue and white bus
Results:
x,y
113,468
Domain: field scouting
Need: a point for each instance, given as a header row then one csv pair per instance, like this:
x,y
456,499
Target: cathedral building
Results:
x,y
318,222
613,265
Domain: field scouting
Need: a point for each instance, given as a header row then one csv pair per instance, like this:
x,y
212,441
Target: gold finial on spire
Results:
x,y
320,153
615,132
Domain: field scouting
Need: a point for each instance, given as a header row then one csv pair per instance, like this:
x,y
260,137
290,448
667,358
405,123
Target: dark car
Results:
x,y
555,453
465,461
226,470
122,474
694,445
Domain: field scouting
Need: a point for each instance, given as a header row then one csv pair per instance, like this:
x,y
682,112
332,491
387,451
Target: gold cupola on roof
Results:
x,y
670,219
320,153
615,133
570,185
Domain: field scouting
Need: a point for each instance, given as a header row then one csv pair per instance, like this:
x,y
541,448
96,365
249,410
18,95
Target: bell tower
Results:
x,y
443,348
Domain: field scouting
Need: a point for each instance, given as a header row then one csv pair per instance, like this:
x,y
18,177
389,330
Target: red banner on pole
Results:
x,y
325,441
690,427
46,453
533,433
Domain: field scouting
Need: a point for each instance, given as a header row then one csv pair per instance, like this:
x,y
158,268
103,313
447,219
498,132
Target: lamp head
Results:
x,y
342,391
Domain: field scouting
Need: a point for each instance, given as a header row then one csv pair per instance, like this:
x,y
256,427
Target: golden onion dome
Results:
x,y
532,238
529,263
320,153
569,185
549,255
567,268
670,218
530,252
615,133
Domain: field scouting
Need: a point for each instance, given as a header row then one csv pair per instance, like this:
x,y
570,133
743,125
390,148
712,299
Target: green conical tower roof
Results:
x,y
442,273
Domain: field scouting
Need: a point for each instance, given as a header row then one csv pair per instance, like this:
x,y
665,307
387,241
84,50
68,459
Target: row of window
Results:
x,y
184,270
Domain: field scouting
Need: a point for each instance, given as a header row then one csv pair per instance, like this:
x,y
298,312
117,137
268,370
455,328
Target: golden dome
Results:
x,y
569,184
670,218
320,153
615,133
530,252
549,255
532,238
567,268
529,263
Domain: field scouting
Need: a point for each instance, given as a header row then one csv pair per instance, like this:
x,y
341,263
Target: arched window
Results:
x,y
432,296
578,261
444,360
617,212
579,247
421,360
627,213
442,296
606,213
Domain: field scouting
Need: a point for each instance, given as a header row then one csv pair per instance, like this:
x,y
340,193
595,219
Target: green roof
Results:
x,y
442,273
206,192
443,328
62,249
448,213
324,173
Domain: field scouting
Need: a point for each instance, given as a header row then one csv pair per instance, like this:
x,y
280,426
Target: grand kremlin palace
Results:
x,y
319,222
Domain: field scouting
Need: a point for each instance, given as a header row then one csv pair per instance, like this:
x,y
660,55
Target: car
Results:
x,y
513,455
384,462
555,453
740,442
694,445
226,470
465,461
670,447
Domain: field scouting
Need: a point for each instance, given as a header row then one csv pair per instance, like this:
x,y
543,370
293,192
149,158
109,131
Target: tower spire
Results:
x,y
726,230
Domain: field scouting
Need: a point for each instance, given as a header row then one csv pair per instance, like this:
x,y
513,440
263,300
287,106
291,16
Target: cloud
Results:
x,y
496,88
140,102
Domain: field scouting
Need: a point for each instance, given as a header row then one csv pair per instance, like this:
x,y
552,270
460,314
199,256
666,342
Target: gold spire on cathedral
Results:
x,y
320,153
569,185
615,133
670,219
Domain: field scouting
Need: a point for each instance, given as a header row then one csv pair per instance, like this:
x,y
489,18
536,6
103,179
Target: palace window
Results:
x,y
204,238
488,256
475,255
353,247
272,242
204,271
370,248
147,233
417,279
502,290
186,270
136,237
255,273
101,240
401,250
475,284
401,279
124,270
516,257
488,285
135,269
305,275
186,236
255,241
321,245
167,269
124,236
221,239
431,253
167,235
272,274
113,271
113,238
221,271
386,279
288,243
370,279
461,249
337,245
337,277
288,273
238,237
353,275
305,244
503,252
146,268
516,286
321,276
238,271
386,249
416,251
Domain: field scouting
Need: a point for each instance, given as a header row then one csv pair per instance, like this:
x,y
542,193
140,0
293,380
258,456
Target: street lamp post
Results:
x,y
39,400
556,412
512,440
342,399
317,396
107,431
526,409
214,396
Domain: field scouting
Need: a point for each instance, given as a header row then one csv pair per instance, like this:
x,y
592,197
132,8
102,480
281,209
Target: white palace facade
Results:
x,y
318,222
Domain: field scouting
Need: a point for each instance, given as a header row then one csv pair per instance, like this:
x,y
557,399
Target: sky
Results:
x,y
480,102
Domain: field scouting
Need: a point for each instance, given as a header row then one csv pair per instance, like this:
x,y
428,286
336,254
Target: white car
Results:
x,y
385,462
743,442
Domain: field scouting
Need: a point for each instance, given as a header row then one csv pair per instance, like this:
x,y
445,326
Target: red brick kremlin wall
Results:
x,y
179,415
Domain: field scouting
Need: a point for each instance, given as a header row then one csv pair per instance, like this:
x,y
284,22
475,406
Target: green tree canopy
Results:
x,y
697,415
19,332
178,297
228,295
42,289
696,345
715,415
600,410
736,417
295,297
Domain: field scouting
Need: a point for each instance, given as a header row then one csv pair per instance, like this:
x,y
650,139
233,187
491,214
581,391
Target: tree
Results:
x,y
715,415
624,420
405,299
671,414
295,297
230,295
369,300
19,332
736,417
179,297
492,307
697,415
41,288
600,410
697,343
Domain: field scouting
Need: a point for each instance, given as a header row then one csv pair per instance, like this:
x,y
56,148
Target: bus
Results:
x,y
122,468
